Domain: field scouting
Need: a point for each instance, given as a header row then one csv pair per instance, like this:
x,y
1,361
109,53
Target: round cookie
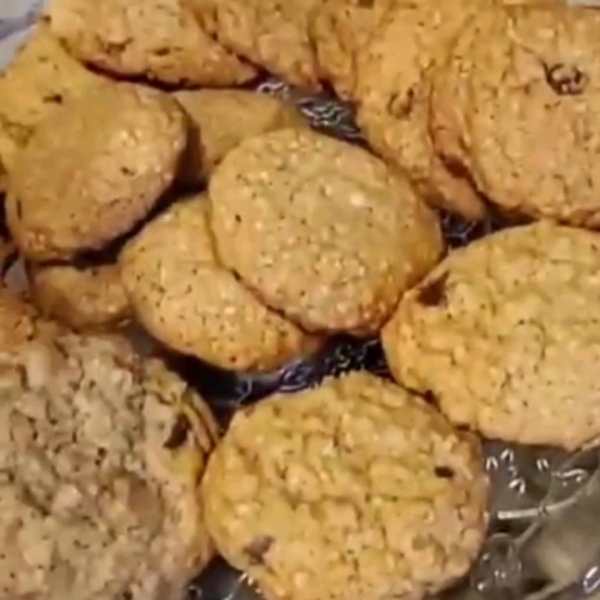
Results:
x,y
268,33
541,80
340,30
354,489
41,78
82,298
223,118
322,230
92,172
185,298
158,40
100,460
393,89
504,335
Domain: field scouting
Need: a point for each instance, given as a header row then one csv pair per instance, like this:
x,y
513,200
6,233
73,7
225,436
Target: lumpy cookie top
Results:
x,y
186,299
273,34
156,39
224,118
535,109
100,454
93,171
354,489
321,230
504,335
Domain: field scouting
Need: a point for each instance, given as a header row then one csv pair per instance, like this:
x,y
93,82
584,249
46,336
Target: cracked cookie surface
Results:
x,y
354,489
115,514
186,299
504,335
321,230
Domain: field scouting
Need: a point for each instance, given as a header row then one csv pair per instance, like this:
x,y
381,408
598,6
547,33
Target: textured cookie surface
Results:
x,y
41,78
504,334
156,39
269,33
538,84
187,300
321,230
99,458
223,118
393,91
83,298
92,172
355,489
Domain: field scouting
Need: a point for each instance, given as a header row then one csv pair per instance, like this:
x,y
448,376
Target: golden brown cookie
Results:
x,y
187,300
223,118
18,320
340,30
82,298
354,489
268,33
504,335
158,40
534,113
393,89
100,461
41,78
92,172
322,230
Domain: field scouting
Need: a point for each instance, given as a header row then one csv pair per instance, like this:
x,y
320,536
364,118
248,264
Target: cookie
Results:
x,y
223,118
392,91
91,173
159,40
268,33
526,91
100,461
41,78
322,230
82,298
502,334
186,299
340,30
354,489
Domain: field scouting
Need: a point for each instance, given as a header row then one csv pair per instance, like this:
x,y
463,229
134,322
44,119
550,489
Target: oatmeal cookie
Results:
x,y
504,336
320,229
41,78
91,173
354,489
534,123
99,461
392,91
223,118
269,33
82,298
340,30
187,300
159,40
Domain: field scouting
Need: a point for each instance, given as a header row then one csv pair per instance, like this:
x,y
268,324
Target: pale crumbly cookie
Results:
x,y
185,298
340,30
158,40
41,78
92,172
535,112
100,458
273,34
504,335
354,489
322,230
223,118
85,298
392,91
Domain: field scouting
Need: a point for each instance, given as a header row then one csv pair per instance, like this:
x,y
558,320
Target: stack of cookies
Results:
x,y
146,184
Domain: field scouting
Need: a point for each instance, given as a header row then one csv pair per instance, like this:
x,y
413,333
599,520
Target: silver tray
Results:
x,y
544,538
